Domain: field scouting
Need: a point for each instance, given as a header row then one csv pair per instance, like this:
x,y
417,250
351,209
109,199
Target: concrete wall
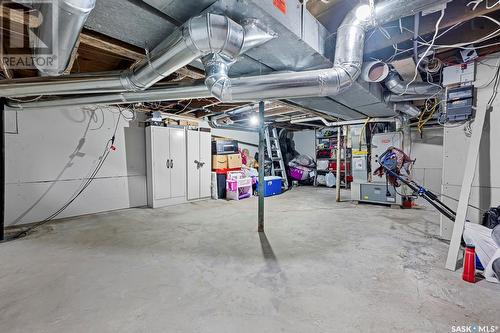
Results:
x,y
486,186
305,142
427,149
50,152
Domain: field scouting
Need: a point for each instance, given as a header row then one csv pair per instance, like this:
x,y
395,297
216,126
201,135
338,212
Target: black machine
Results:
x,y
224,147
392,161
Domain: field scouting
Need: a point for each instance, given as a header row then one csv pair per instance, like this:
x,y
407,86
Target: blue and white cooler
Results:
x,y
272,186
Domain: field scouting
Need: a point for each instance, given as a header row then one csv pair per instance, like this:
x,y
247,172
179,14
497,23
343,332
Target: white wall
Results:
x,y
250,137
305,142
486,186
428,151
54,150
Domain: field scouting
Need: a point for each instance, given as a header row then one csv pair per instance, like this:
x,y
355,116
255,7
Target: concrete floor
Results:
x,y
202,267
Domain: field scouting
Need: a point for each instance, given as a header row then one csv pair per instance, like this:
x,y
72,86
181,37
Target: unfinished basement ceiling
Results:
x,y
302,42
118,34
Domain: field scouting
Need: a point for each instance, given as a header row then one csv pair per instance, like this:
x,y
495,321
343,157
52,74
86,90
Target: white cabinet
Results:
x,y
199,156
166,165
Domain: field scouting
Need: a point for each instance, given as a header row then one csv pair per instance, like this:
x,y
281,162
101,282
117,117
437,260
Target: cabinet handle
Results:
x,y
171,164
168,164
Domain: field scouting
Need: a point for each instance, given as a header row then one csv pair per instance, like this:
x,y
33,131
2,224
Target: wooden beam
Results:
x,y
190,73
74,56
280,111
465,191
108,45
5,69
100,42
20,16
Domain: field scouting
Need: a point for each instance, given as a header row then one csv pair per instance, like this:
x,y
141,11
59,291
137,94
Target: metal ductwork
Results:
x,y
324,82
396,85
396,98
344,122
347,64
71,16
200,36
164,92
214,121
407,109
374,71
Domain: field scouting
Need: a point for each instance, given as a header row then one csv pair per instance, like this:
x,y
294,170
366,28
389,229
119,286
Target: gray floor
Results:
x,y
202,267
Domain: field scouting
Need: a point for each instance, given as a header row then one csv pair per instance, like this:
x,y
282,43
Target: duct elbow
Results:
x,y
407,109
217,79
396,85
220,88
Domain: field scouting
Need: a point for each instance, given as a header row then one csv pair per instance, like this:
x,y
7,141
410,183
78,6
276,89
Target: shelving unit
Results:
x,y
329,143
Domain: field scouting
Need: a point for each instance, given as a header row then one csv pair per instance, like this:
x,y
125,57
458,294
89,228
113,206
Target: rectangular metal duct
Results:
x,y
302,43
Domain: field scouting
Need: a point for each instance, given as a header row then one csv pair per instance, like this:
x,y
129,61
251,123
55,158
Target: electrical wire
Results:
x,y
421,121
102,159
438,23
476,4
465,45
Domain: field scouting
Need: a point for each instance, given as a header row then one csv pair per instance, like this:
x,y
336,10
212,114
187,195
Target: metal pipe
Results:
x,y
200,36
347,64
396,85
69,18
233,112
345,122
308,120
262,159
167,92
409,110
392,10
324,82
395,98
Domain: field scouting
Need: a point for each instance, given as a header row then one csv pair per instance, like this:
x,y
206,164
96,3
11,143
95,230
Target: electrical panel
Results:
x,y
459,75
460,103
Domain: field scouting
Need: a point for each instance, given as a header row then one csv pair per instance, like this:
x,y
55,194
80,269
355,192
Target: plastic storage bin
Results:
x,y
296,174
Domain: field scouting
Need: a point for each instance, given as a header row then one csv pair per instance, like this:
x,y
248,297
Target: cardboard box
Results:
x,y
188,123
234,161
171,122
219,162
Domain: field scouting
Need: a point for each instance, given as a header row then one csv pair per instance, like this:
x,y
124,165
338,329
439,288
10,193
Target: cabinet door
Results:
x,y
178,159
205,157
193,156
160,156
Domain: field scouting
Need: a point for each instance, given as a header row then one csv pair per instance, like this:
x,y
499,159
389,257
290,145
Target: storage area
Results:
x,y
249,166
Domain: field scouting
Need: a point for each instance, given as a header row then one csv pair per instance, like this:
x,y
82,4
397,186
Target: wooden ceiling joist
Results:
x,y
87,38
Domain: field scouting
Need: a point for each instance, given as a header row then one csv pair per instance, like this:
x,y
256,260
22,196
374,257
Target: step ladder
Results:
x,y
274,153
